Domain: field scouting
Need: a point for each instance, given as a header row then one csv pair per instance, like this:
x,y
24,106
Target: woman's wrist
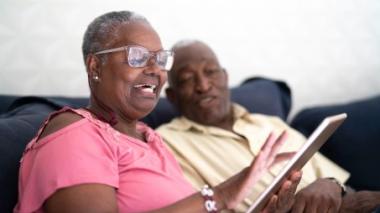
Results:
x,y
219,198
209,201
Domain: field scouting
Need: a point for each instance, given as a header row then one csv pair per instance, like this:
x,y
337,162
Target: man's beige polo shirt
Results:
x,y
209,155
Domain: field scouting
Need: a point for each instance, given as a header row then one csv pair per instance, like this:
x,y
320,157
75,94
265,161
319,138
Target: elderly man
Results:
x,y
214,138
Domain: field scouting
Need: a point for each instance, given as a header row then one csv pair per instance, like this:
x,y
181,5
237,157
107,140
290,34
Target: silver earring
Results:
x,y
95,77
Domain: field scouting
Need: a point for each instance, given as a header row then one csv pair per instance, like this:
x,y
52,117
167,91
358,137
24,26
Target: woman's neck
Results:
x,y
117,121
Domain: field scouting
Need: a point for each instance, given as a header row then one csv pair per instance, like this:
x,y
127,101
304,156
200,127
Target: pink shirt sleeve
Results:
x,y
76,154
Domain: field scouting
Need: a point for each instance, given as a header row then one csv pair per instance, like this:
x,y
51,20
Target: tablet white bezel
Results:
x,y
312,145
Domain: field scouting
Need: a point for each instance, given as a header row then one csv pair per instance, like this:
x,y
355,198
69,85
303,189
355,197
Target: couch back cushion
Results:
x,y
22,117
16,129
258,95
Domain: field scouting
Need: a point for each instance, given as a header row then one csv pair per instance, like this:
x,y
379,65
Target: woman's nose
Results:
x,y
153,67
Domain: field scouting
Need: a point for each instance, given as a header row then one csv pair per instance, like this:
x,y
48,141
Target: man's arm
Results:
x,y
361,201
323,195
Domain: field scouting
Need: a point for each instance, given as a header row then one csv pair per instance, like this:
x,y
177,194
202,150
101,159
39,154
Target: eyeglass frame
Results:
x,y
126,48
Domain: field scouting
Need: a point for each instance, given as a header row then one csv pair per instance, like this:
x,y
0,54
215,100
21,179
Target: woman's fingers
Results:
x,y
239,186
268,145
269,152
271,206
288,189
279,142
283,200
284,156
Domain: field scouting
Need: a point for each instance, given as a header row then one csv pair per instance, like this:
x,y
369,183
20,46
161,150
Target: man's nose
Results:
x,y
203,84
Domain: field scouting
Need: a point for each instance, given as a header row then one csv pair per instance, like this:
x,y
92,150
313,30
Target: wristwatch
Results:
x,y
341,185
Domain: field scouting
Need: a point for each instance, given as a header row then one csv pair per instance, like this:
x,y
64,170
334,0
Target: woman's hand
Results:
x,y
231,192
283,200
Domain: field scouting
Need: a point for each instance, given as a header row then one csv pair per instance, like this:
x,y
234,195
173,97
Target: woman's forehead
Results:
x,y
137,33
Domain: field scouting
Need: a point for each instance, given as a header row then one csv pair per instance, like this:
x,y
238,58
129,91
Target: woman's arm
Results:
x,y
91,198
102,198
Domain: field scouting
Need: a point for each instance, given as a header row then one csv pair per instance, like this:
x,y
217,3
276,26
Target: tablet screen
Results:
x,y
320,135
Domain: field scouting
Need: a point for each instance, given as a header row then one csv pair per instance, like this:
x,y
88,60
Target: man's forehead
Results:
x,y
195,51
197,61
192,55
193,62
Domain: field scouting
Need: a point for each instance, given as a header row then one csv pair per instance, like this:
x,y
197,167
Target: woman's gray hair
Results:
x,y
101,30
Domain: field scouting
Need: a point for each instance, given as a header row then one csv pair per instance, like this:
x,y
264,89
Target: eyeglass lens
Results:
x,y
139,57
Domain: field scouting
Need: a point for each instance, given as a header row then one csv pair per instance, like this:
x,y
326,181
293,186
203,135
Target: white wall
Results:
x,y
328,51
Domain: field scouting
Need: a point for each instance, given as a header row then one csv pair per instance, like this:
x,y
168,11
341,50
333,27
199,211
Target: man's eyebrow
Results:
x,y
183,67
187,65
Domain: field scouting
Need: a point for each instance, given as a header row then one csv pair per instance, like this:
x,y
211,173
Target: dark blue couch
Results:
x,y
20,118
354,146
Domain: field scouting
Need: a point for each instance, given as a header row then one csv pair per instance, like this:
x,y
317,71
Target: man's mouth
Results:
x,y
148,88
205,102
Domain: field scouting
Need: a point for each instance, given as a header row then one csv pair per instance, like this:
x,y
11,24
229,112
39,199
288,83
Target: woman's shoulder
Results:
x,y
58,121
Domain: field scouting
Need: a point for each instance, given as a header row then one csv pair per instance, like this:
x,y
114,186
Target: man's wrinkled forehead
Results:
x,y
193,54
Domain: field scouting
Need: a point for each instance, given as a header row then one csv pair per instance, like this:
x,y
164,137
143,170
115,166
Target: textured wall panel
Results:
x,y
328,51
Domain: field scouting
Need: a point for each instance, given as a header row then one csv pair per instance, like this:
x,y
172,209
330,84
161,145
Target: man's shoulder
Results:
x,y
175,125
276,124
267,119
179,132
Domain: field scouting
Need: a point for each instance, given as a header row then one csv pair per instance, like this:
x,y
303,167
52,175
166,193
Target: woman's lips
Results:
x,y
148,88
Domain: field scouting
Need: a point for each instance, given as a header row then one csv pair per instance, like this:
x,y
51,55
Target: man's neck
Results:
x,y
226,123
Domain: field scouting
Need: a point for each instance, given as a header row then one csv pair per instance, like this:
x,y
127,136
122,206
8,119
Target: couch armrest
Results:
x,y
355,145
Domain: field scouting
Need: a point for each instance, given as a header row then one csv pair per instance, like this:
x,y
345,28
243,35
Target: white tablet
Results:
x,y
312,145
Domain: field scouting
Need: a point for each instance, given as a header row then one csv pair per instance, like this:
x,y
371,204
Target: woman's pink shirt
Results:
x,y
145,175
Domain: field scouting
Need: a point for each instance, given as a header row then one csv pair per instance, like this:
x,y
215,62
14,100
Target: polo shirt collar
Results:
x,y
184,124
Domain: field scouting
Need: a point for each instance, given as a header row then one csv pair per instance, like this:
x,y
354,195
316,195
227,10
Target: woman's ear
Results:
x,y
93,67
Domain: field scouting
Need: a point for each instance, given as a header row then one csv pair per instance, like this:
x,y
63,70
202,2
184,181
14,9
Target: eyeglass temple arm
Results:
x,y
110,50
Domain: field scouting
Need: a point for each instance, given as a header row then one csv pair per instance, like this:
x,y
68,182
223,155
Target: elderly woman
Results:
x,y
102,159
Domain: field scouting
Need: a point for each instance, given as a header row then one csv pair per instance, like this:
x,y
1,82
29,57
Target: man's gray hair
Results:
x,y
101,30
185,43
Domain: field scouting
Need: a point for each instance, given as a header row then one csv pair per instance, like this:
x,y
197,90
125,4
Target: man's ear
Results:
x,y
225,74
171,96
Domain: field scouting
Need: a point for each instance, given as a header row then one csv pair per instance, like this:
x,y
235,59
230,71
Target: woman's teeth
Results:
x,y
146,87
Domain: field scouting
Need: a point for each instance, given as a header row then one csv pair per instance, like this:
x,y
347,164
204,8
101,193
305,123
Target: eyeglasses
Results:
x,y
138,56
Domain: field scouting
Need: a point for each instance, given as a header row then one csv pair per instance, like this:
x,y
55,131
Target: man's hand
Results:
x,y
360,202
282,202
323,195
